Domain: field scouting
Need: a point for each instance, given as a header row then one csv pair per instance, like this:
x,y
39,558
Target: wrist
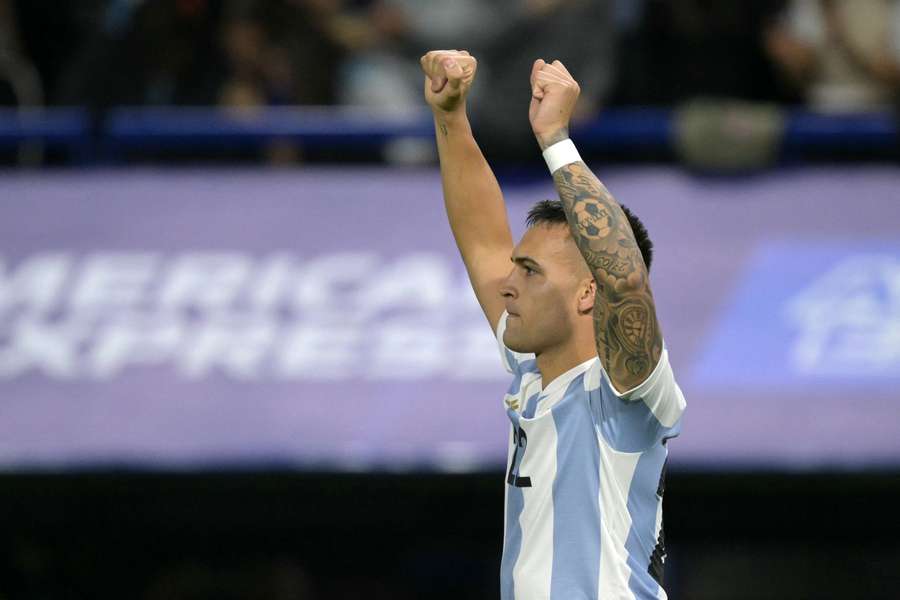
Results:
x,y
456,113
545,140
560,154
445,122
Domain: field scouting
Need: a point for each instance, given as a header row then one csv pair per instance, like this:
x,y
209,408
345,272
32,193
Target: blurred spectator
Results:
x,y
385,38
673,52
277,52
580,33
258,69
844,55
203,52
20,84
147,53
52,32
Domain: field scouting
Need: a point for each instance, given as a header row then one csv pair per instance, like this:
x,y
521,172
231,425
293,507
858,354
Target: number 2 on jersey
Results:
x,y
520,440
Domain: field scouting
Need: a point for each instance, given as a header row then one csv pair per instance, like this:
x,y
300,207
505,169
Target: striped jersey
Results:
x,y
585,481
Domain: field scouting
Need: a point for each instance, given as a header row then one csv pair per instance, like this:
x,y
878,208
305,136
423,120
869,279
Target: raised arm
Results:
x,y
626,330
472,196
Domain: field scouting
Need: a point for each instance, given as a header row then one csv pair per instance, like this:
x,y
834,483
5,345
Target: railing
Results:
x,y
88,139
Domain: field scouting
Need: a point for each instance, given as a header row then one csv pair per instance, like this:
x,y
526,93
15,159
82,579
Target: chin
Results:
x,y
516,345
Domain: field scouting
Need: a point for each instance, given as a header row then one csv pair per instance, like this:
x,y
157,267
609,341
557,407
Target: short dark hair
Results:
x,y
552,212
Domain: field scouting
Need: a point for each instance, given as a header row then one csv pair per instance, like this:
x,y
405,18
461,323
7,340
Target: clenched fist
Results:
x,y
554,93
448,76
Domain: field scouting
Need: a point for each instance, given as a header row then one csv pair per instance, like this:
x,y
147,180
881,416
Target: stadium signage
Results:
x,y
280,316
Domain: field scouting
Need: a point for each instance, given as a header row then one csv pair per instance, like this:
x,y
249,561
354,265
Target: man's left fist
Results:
x,y
554,93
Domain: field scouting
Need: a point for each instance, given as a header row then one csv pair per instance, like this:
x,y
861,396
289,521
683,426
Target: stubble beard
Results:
x,y
512,339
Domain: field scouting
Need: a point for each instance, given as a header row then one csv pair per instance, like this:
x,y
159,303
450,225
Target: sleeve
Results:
x,y
647,414
512,361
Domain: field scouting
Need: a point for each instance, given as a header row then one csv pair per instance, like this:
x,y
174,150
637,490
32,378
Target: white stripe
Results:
x,y
616,475
534,568
659,391
666,401
554,393
593,376
530,384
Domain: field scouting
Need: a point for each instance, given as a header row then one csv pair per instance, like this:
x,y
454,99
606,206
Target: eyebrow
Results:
x,y
526,261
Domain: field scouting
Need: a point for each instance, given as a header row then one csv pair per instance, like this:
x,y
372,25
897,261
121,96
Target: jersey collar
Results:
x,y
563,381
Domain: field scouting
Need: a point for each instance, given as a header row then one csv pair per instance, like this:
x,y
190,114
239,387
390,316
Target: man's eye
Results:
x,y
529,270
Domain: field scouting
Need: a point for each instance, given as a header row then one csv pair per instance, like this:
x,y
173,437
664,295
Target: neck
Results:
x,y
555,361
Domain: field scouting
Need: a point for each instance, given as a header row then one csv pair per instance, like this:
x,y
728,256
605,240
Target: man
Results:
x,y
593,399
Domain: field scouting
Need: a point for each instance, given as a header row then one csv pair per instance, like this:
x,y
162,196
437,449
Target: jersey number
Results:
x,y
513,478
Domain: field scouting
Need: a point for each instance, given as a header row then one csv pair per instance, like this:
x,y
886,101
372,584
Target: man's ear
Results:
x,y
586,294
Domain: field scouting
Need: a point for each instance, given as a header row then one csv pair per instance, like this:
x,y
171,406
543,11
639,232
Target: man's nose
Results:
x,y
508,288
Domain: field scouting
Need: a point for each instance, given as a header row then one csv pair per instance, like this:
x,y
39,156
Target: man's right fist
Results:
x,y
448,76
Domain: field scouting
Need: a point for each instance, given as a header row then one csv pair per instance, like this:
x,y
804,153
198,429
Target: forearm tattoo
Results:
x,y
628,338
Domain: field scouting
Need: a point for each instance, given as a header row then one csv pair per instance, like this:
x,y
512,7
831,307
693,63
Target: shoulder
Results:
x,y
637,418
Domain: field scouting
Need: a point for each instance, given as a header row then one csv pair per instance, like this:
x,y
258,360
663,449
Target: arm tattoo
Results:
x,y
629,341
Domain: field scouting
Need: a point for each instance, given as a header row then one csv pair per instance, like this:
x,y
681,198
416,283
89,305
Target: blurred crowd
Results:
x,y
833,55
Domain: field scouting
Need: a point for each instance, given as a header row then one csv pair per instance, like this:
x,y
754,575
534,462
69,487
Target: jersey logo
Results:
x,y
521,441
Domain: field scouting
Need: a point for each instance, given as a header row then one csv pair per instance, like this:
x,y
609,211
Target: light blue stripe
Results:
x,y
628,425
519,370
511,360
531,406
514,504
576,499
529,366
642,506
516,366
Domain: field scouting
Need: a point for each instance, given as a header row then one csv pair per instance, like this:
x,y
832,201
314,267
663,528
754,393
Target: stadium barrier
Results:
x,y
177,128
70,127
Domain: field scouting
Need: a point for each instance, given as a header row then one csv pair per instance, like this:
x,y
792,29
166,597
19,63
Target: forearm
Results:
x,y
626,330
600,229
625,327
472,196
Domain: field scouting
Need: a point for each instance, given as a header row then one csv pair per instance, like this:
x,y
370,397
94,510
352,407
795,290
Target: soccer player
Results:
x,y
593,400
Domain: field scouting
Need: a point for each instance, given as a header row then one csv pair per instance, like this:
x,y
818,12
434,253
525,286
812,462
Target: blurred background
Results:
x,y
239,357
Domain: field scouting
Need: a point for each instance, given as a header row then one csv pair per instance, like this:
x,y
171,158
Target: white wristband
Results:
x,y
561,154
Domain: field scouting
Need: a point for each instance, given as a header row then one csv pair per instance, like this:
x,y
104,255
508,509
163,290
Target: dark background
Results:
x,y
289,535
